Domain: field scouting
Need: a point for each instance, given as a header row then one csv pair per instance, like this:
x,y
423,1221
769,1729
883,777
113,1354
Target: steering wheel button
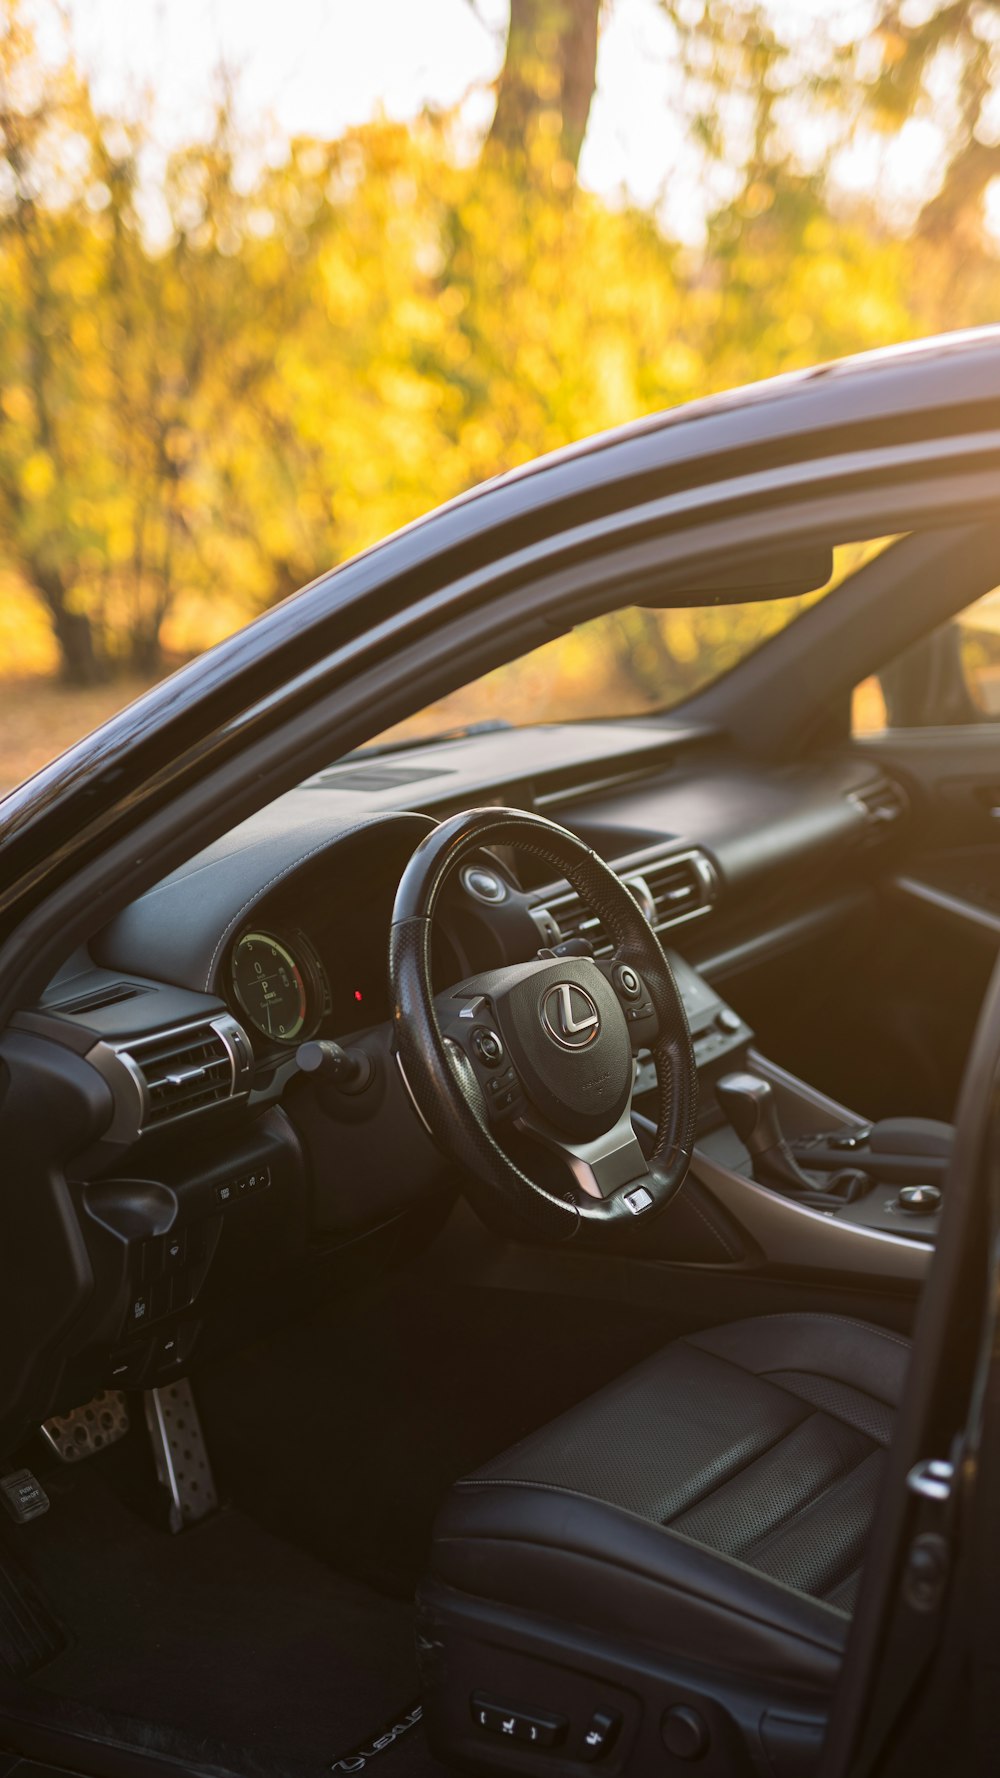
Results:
x,y
638,1200
488,1047
628,982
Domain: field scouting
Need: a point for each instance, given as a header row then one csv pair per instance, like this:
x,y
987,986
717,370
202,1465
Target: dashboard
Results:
x,y
212,1181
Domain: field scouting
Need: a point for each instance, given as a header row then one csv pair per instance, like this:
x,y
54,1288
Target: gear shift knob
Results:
x,y
750,1105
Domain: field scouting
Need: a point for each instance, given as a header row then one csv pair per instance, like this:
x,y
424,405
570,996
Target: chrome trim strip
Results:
x,y
912,889
790,1234
121,1062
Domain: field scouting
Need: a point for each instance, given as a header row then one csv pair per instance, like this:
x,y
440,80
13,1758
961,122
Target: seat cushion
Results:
x,y
716,1499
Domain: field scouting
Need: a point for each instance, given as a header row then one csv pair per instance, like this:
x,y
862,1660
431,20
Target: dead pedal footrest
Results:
x,y
89,1429
29,1633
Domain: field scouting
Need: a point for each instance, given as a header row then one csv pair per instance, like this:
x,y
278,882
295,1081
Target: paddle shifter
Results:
x,y
752,1109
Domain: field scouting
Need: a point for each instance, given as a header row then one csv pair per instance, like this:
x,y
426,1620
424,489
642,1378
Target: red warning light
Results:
x,y
358,994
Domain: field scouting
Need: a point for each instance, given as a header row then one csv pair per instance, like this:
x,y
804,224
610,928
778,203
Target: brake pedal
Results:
x,y
89,1429
182,1464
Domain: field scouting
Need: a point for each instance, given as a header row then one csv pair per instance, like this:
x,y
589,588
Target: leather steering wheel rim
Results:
x,y
499,1190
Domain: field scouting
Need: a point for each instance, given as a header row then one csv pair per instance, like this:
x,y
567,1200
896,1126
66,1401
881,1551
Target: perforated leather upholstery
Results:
x,y
717,1498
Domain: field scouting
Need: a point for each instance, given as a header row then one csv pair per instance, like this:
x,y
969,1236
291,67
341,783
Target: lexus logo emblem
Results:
x,y
570,1016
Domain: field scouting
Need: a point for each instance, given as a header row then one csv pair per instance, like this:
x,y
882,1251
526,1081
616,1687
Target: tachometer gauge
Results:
x,y
280,992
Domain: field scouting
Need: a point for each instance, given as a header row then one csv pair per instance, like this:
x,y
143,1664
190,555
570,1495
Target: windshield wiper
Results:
x,y
460,732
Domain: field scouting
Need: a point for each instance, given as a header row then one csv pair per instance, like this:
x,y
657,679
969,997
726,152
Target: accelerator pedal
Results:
x,y
182,1464
89,1429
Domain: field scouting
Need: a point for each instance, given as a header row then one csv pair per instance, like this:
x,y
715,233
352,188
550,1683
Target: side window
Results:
x,y
951,676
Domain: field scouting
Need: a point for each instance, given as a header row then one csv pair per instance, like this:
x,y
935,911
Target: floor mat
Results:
x,y
224,1645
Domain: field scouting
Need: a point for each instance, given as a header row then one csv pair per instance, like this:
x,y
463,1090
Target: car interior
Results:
x,y
472,1216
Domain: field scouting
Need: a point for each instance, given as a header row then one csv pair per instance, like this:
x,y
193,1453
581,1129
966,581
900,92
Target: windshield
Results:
x,y
627,663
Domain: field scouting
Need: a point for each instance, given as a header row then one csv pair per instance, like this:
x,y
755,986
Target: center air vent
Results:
x,y
882,803
187,1069
668,890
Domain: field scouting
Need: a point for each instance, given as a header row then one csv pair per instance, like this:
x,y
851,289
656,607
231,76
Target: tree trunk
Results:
x,y
78,658
550,66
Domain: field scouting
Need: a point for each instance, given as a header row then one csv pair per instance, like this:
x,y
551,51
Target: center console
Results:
x,y
809,1181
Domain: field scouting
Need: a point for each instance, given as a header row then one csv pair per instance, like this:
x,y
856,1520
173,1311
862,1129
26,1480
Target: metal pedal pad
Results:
x,y
88,1429
182,1464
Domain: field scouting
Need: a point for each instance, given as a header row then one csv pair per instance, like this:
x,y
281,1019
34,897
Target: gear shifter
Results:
x,y
751,1107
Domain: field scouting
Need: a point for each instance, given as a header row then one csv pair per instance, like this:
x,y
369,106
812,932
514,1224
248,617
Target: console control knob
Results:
x,y
685,1732
919,1200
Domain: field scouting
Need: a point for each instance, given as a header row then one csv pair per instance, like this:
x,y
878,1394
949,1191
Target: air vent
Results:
x,y
679,888
576,921
184,1070
669,890
109,994
882,803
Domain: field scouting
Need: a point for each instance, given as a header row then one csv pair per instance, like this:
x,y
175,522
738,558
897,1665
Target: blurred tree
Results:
x,y
314,347
43,276
750,78
547,83
944,52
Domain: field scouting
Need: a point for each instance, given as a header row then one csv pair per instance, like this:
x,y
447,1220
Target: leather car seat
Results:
x,y
711,1506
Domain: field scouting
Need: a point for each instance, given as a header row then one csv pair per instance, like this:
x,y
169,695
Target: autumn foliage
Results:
x,y
301,352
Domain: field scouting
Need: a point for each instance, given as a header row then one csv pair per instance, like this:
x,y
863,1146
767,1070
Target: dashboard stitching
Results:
x,y
286,870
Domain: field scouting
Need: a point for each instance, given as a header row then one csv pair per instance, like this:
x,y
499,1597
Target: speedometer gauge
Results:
x,y
276,988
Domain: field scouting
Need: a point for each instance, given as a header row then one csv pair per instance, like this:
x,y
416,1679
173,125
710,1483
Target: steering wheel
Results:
x,y
543,1048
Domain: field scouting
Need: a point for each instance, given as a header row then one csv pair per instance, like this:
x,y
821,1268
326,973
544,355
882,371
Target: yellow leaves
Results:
x,y
680,367
614,380
74,276
26,644
358,331
38,475
18,404
679,629
85,333
759,197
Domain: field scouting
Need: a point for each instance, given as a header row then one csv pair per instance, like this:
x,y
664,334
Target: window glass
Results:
x,y
950,677
626,663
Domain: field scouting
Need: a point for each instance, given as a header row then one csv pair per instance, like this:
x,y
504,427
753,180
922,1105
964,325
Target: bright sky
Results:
x,y
316,66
